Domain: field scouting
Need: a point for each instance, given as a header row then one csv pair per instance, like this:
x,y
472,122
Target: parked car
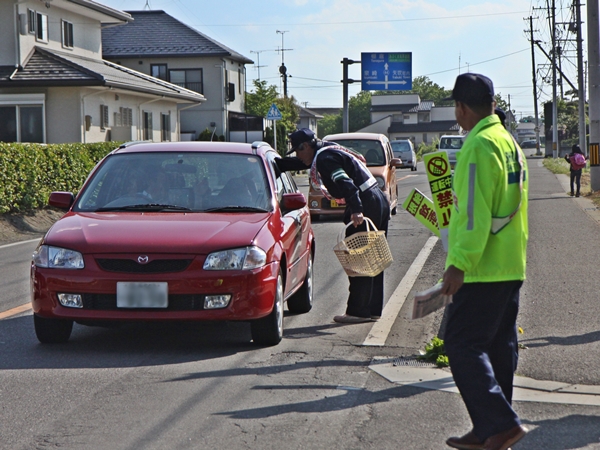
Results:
x,y
452,143
173,232
377,151
529,143
404,150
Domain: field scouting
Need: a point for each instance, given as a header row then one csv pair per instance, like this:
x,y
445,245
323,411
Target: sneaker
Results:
x,y
571,194
351,319
577,195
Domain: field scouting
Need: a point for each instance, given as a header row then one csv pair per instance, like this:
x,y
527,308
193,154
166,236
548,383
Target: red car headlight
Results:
x,y
236,259
57,258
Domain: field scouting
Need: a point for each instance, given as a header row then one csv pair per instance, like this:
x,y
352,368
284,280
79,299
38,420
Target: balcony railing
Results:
x,y
192,86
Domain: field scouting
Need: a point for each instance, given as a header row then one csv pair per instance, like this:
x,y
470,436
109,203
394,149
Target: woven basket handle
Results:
x,y
343,230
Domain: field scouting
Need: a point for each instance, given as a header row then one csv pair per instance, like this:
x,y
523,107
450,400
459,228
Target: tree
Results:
x,y
259,102
359,112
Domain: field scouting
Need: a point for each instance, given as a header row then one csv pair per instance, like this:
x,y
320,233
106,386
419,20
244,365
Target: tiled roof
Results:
x,y
155,33
48,68
425,105
435,126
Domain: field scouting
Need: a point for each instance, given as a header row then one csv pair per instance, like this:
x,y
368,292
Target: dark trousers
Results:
x,y
481,344
366,293
575,179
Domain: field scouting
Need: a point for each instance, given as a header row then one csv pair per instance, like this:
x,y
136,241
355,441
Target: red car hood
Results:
x,y
155,232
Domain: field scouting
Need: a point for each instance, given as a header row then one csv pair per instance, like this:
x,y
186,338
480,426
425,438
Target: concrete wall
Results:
x,y
442,113
395,99
87,38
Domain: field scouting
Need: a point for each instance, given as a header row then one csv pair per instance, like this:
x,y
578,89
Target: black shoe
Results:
x,y
577,195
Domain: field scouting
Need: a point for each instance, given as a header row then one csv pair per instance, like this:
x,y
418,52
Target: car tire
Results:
x,y
413,168
315,217
269,330
301,302
52,331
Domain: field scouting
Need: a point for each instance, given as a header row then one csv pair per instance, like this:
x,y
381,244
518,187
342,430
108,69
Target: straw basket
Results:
x,y
363,254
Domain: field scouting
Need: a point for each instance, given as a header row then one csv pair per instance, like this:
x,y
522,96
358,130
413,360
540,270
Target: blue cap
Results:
x,y
472,89
299,137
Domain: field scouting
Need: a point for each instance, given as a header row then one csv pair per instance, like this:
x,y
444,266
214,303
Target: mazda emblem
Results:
x,y
143,259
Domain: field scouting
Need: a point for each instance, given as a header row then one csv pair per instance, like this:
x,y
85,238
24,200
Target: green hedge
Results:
x,y
30,172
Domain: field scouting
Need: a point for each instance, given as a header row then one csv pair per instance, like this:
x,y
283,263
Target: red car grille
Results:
x,y
155,266
108,302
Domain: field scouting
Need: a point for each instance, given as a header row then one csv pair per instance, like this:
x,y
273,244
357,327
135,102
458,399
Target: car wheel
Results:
x,y
301,302
52,331
269,329
413,168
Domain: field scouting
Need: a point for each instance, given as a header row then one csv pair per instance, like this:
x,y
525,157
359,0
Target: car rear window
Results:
x,y
400,146
371,150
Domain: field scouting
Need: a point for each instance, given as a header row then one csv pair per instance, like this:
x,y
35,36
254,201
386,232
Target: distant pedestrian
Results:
x,y
485,267
577,161
341,174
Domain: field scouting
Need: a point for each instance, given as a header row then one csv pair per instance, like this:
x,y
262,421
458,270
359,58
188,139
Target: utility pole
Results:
x,y
258,66
593,29
345,82
282,68
552,18
535,98
580,81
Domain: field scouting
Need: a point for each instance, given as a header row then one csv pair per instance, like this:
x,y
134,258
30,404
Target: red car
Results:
x,y
177,231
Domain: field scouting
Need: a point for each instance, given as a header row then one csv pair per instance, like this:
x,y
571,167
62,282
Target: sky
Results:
x,y
445,37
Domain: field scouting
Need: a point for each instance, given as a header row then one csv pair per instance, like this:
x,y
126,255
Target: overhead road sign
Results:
x,y
274,113
386,71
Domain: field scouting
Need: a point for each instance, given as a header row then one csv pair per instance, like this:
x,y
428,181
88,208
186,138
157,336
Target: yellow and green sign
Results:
x,y
419,206
439,175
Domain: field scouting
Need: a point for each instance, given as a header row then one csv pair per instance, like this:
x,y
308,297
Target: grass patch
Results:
x,y
435,353
559,165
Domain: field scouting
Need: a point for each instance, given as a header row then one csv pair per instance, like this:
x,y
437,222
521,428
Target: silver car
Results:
x,y
404,149
452,143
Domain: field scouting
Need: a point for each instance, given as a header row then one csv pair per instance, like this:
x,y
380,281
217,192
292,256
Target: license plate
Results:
x,y
142,295
335,204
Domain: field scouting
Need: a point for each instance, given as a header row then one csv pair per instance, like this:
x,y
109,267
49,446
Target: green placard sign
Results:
x,y
418,205
439,175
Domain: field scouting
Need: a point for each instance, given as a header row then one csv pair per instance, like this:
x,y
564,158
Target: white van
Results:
x,y
452,143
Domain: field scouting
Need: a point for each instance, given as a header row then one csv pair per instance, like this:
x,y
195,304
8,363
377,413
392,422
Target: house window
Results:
x,y
67,34
103,117
22,123
239,81
31,19
147,126
41,27
425,138
165,127
124,118
187,78
159,71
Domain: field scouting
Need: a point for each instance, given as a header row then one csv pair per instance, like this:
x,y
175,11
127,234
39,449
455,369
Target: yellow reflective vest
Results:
x,y
490,182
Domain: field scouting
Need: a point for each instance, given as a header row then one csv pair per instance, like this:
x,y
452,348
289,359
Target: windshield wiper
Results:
x,y
145,207
235,209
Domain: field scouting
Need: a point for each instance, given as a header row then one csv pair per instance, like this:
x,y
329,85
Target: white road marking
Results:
x,y
19,243
381,329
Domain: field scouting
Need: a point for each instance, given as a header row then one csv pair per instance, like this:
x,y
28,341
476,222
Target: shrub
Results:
x,y
30,172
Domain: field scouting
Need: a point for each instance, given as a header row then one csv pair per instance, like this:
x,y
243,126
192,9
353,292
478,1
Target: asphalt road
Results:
x,y
199,386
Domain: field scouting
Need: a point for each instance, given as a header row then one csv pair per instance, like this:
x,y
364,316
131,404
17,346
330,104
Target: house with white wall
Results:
x,y
56,88
406,116
159,45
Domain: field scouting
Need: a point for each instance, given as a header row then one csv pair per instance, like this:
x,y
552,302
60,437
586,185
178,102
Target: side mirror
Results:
x,y
293,201
61,200
397,162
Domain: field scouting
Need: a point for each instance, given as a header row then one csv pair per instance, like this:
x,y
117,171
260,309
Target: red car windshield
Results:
x,y
193,181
